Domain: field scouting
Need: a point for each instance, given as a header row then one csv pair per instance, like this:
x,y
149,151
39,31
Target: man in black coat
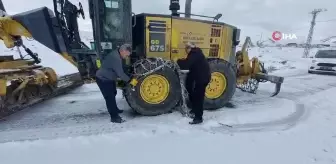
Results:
x,y
197,79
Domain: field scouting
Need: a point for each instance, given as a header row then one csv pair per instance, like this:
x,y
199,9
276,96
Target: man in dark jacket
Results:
x,y
197,79
106,78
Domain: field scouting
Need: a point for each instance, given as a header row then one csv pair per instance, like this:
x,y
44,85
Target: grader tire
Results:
x,y
142,101
217,95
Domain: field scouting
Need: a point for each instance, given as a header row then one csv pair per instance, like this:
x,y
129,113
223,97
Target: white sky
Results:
x,y
252,16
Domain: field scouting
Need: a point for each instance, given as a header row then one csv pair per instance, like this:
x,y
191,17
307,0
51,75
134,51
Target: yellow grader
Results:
x,y
22,81
158,41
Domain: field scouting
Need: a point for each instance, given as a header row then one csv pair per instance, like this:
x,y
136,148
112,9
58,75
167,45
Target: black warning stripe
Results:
x,y
157,26
156,21
214,25
151,29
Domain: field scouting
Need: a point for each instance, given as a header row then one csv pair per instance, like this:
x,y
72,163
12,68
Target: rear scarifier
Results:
x,y
24,86
34,94
222,85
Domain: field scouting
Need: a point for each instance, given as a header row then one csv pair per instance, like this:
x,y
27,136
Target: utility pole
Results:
x,y
311,31
188,8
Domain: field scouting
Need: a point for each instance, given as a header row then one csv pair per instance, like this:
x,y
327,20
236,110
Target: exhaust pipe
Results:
x,y
188,8
174,7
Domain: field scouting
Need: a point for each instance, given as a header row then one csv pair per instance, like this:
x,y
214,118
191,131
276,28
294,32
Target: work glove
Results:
x,y
133,82
121,84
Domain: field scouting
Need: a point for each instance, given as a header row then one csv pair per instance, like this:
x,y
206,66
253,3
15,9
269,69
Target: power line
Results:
x,y
330,20
328,39
305,27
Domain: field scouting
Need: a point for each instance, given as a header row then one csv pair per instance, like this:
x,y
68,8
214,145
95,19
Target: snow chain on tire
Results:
x,y
156,64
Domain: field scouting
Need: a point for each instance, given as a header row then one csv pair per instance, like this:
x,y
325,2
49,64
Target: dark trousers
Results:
x,y
196,90
109,90
190,85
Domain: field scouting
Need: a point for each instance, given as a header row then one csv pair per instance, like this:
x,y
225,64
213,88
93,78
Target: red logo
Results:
x,y
277,35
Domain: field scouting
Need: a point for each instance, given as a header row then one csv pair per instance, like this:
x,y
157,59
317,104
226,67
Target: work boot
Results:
x,y
196,120
191,114
117,119
120,111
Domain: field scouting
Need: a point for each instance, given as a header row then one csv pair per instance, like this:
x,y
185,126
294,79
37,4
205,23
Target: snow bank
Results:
x,y
48,57
283,61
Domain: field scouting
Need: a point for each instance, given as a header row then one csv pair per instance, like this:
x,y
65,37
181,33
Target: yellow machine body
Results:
x,y
166,37
10,28
21,80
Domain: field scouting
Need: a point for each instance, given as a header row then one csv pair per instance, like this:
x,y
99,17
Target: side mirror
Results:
x,y
218,16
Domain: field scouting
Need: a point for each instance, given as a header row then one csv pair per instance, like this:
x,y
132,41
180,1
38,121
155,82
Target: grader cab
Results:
x,y
158,41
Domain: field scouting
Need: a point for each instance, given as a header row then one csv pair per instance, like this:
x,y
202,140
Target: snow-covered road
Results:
x,y
168,138
83,112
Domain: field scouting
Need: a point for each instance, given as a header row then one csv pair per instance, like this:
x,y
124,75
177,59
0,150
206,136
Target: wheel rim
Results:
x,y
217,85
154,89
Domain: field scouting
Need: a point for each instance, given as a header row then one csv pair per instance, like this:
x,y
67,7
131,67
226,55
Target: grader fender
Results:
x,y
273,79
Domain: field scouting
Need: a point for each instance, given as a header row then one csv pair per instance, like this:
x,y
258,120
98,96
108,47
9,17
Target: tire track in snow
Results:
x,y
285,123
100,125
279,124
97,128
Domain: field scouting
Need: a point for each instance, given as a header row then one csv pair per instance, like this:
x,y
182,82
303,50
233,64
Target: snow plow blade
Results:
x,y
273,79
65,84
